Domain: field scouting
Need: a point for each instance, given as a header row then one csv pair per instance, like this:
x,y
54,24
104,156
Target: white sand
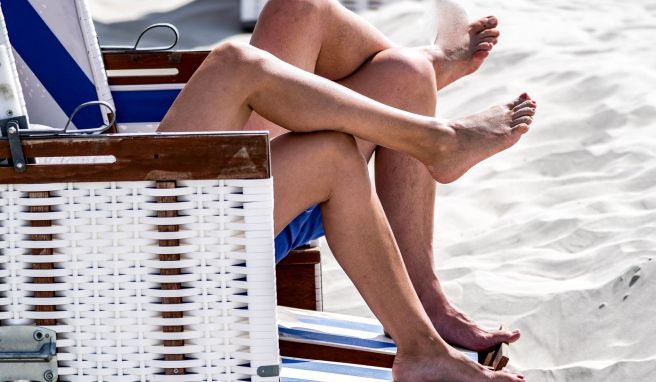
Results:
x,y
557,235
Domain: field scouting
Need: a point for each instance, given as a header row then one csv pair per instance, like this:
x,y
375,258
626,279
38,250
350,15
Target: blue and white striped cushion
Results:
x,y
12,103
298,370
59,61
337,330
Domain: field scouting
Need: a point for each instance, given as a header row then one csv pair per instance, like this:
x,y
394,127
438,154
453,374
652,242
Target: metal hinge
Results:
x,y
28,353
10,128
268,371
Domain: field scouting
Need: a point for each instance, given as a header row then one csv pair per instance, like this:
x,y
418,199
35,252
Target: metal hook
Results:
x,y
64,131
135,47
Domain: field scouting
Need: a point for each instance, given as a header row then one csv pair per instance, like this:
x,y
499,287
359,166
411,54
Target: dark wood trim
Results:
x,y
298,279
334,354
145,157
42,252
302,255
185,62
170,272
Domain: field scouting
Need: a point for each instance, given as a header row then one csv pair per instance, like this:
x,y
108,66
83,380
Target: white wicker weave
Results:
x,y
105,251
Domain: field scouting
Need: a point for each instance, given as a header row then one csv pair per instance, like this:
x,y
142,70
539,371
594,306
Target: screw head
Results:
x,y
20,165
12,130
176,371
48,375
38,335
10,112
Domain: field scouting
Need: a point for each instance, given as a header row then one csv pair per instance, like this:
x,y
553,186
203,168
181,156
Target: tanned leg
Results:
x,y
321,36
238,79
363,244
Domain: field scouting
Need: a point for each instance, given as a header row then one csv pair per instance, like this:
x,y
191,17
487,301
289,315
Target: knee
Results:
x,y
340,151
237,57
410,75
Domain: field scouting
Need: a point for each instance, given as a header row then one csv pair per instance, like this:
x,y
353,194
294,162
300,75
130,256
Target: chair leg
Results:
x,y
298,279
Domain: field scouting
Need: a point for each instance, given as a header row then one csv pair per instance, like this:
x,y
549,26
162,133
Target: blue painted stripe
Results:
x,y
342,324
143,106
337,368
336,339
49,60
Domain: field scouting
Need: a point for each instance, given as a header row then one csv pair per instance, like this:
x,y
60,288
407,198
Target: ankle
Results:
x,y
442,65
432,297
422,345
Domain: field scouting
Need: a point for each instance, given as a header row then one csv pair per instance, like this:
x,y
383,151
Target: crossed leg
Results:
x,y
238,79
345,193
322,37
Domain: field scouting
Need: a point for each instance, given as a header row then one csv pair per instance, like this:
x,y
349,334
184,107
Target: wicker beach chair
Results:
x,y
135,88
146,267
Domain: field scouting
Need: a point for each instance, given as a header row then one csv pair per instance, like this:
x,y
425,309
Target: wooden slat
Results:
x,y
334,354
185,62
42,252
502,357
145,157
168,272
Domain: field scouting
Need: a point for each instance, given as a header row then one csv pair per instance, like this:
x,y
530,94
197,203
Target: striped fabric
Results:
x,y
337,330
59,61
299,370
12,103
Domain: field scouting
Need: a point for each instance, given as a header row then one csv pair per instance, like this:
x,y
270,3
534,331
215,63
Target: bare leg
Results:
x,y
237,79
323,37
311,35
355,224
318,36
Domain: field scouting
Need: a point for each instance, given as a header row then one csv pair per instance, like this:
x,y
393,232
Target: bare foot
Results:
x,y
449,367
478,137
460,55
457,329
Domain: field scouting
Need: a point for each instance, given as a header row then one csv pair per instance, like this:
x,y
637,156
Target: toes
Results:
x,y
518,101
523,112
525,104
492,22
522,120
479,25
489,33
484,23
491,40
506,336
481,54
485,46
521,129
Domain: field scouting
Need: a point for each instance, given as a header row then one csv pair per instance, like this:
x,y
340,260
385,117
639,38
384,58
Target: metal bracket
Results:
x,y
28,353
268,371
10,128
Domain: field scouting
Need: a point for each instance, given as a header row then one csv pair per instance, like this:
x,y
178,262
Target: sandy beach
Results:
x,y
556,236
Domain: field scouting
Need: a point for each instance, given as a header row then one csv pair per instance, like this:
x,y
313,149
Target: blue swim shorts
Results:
x,y
304,228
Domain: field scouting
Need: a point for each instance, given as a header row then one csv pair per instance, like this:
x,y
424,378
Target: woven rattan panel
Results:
x,y
144,281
